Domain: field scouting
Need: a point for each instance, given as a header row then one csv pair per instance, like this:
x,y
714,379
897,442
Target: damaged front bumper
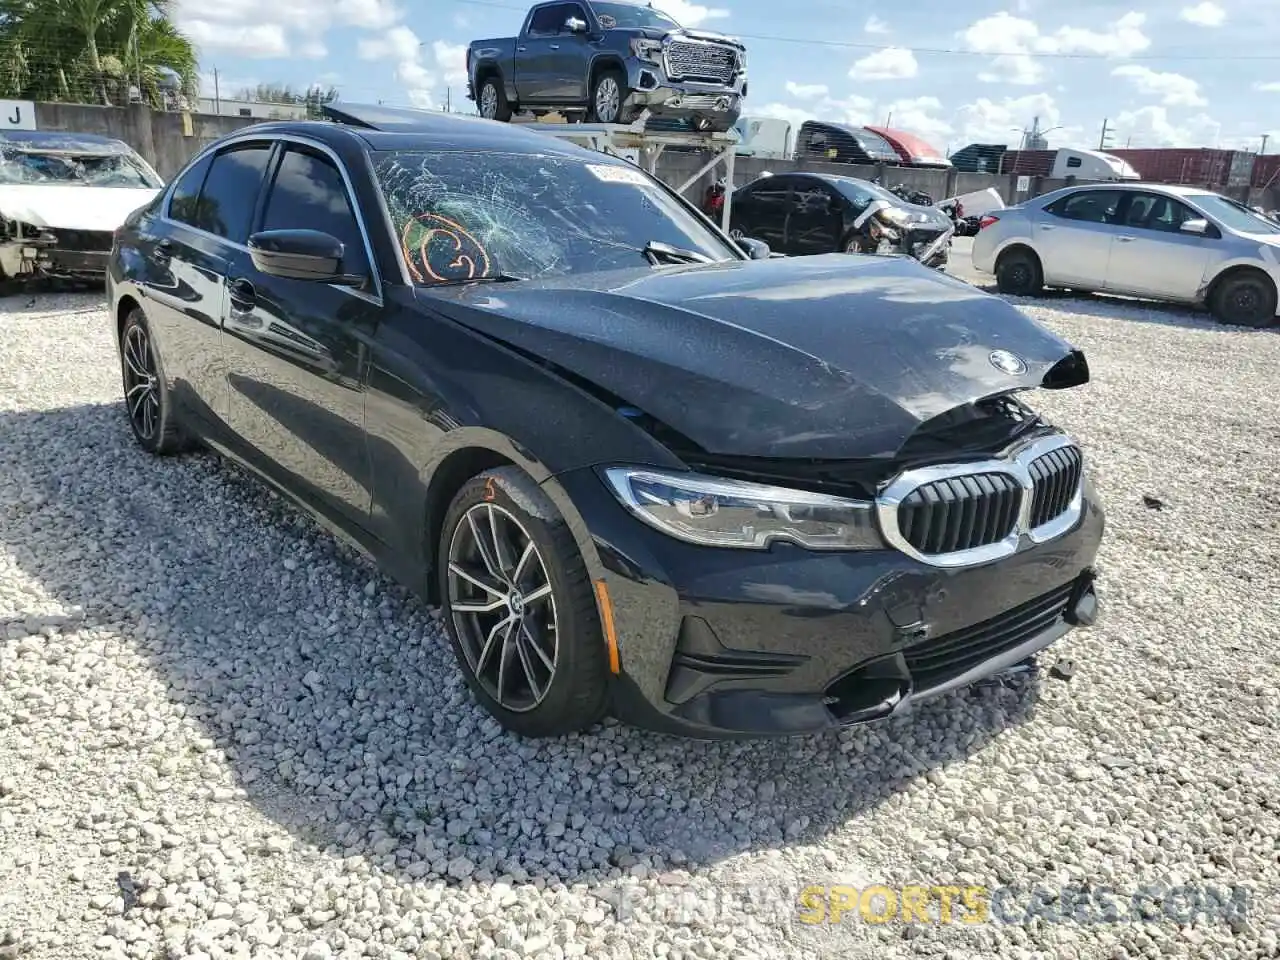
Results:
x,y
28,252
714,106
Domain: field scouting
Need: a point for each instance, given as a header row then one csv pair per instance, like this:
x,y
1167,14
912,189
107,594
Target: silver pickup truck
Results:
x,y
606,61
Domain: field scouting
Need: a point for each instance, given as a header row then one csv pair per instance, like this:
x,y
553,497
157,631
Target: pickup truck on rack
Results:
x,y
607,61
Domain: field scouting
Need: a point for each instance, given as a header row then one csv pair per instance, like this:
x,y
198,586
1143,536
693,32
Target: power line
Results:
x,y
945,51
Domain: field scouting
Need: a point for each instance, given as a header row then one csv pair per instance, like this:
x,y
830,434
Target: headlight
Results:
x,y
650,50
896,216
714,512
742,61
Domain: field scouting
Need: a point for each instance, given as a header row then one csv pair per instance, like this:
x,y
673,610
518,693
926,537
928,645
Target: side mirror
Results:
x,y
574,25
1198,226
755,249
297,254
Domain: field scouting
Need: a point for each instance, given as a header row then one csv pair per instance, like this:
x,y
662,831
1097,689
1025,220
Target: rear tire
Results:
x,y
492,100
147,401
537,661
1018,274
1246,299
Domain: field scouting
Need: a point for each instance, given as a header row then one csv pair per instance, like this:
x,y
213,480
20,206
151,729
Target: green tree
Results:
x,y
91,51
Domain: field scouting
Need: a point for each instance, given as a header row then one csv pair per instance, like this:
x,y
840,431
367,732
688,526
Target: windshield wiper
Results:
x,y
657,252
487,278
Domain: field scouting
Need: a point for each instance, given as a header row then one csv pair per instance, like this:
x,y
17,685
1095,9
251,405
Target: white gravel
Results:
x,y
223,735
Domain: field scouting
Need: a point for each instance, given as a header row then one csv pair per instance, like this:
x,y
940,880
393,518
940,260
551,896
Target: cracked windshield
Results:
x,y
94,170
462,215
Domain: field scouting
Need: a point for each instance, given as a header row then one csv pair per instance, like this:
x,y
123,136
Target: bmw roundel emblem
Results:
x,y
1007,362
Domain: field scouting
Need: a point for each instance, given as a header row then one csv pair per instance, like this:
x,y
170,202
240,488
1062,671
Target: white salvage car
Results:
x,y
62,195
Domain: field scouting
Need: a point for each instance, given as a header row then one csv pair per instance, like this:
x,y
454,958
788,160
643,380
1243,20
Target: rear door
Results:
x,y
817,216
1151,256
207,219
1073,237
760,210
297,349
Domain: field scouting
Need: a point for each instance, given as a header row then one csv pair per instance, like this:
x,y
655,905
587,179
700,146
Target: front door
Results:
x,y
760,211
297,348
1073,237
570,57
1151,256
537,76
815,221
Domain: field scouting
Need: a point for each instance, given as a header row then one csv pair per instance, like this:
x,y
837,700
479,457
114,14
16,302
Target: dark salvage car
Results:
x,y
640,470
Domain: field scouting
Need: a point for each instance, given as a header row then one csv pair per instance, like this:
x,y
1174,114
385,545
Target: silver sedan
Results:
x,y
1183,244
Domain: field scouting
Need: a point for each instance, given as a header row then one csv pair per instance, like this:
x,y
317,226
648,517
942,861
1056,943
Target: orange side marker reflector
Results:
x,y
606,620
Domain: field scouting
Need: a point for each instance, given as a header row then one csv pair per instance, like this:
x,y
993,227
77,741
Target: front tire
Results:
x,y
147,401
519,607
1247,299
492,101
608,98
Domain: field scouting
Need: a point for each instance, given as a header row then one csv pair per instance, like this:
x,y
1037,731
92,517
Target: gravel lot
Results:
x,y
224,735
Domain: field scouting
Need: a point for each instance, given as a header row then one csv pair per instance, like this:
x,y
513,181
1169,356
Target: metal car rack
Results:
x,y
643,147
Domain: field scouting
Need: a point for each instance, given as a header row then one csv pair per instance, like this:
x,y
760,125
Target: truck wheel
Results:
x,y
493,101
607,96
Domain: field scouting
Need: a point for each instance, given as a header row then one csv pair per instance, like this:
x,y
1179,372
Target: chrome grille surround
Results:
x,y
688,59
1024,464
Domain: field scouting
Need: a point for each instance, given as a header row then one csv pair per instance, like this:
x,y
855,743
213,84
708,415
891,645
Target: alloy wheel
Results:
x,y
489,101
503,608
141,382
608,99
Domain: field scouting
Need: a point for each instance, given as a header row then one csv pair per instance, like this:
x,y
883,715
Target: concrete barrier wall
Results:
x,y
167,140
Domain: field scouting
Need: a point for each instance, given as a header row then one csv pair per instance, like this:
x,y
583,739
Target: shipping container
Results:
x,y
1198,166
1266,171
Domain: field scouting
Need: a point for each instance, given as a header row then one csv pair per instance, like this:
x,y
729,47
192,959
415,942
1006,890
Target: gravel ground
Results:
x,y
224,735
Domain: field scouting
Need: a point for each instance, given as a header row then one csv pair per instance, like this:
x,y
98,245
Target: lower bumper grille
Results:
x,y
944,658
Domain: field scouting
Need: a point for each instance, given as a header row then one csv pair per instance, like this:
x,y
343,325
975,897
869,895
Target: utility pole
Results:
x,y
1103,139
448,99
217,96
1265,138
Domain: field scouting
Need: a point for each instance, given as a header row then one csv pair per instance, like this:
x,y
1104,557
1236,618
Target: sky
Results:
x,y
1177,73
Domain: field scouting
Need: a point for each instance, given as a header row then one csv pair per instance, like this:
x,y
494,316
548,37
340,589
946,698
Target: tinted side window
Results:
x,y
186,192
1090,206
811,198
547,20
1154,211
231,190
308,193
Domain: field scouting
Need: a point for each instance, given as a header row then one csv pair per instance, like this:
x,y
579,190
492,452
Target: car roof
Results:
x,y
1173,189
402,128
62,140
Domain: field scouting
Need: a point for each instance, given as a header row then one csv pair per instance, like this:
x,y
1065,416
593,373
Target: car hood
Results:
x,y
71,207
826,357
677,33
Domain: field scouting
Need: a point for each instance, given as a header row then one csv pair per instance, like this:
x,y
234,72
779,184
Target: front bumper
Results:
x,y
718,104
727,643
61,255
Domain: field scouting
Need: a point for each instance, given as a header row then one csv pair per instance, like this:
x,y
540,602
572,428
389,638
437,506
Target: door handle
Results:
x,y
1046,226
1126,239
521,49
242,293
555,46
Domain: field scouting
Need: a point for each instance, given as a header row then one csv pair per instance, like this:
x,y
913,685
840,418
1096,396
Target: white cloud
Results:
x,y
313,48
891,63
1151,127
1014,42
691,14
992,121
369,14
1206,14
785,111
875,25
401,46
259,41
451,61
807,91
854,109
1272,86
1173,89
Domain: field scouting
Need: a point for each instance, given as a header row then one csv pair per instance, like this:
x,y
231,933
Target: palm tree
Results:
x,y
90,50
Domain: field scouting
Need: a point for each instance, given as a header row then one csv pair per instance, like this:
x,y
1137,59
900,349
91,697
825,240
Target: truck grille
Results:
x,y
962,514
690,60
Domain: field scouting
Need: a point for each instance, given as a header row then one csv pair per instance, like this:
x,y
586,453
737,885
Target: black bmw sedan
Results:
x,y
803,214
639,471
